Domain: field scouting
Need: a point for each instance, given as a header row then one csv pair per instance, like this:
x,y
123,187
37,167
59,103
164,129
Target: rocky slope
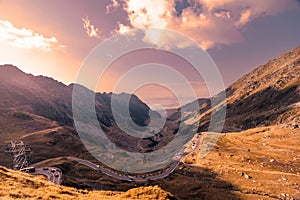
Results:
x,y
269,95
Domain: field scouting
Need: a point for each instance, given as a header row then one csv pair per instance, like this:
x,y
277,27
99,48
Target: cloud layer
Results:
x,y
209,22
25,38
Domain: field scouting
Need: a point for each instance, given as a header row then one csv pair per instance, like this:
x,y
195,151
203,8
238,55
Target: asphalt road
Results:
x,y
117,175
53,174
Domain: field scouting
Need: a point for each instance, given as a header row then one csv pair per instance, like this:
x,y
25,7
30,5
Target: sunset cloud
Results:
x,y
90,29
245,18
25,38
124,29
110,7
209,22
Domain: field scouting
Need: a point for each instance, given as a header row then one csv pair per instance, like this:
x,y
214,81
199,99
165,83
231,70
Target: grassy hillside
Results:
x,y
17,185
261,163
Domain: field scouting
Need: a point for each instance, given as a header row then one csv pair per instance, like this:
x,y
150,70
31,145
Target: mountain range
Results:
x,y
269,95
38,111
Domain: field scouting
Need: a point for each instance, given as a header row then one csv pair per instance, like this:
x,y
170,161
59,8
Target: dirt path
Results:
x,y
262,171
42,131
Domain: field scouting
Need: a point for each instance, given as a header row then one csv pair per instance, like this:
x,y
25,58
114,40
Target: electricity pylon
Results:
x,y
19,151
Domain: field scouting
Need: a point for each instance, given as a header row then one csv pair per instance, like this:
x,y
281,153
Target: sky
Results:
x,y
53,38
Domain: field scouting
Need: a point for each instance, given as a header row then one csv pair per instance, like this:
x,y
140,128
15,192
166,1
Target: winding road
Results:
x,y
117,175
55,175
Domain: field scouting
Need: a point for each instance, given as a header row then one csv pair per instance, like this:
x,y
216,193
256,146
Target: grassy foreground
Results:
x,y
17,185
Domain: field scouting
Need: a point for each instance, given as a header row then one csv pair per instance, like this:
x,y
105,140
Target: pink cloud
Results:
x,y
25,38
90,29
209,22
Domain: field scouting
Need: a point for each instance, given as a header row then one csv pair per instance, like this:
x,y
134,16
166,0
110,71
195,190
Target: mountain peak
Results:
x,y
9,68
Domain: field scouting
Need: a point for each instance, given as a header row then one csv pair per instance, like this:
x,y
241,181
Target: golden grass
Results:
x,y
269,155
17,185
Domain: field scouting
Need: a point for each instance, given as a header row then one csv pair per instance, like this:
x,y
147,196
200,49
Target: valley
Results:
x,y
256,156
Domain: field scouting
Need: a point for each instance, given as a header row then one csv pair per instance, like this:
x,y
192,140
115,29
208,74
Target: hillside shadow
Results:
x,y
184,183
188,182
263,108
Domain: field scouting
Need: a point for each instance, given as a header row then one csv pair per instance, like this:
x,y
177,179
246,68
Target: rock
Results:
x,y
272,160
247,176
207,163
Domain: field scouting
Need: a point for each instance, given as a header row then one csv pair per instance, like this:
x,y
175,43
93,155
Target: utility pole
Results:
x,y
19,151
